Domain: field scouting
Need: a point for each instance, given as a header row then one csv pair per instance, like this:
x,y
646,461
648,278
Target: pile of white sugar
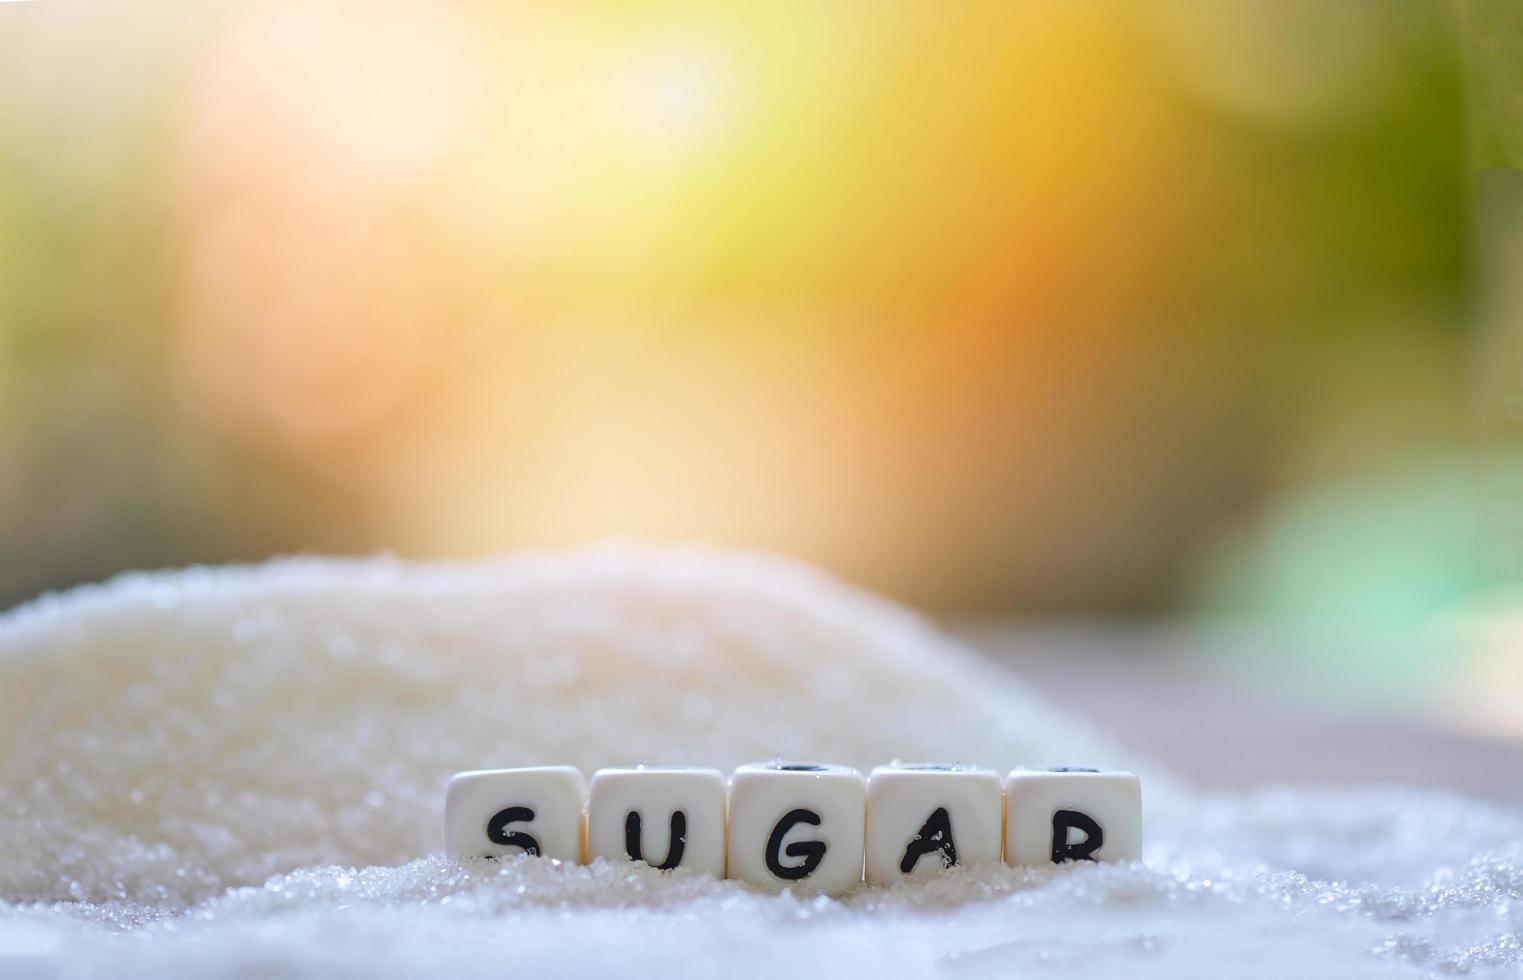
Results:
x,y
240,771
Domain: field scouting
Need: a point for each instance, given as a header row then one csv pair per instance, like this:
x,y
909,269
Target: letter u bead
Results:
x,y
666,816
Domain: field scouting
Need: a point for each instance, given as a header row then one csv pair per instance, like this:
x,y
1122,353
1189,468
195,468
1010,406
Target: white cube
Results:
x,y
498,812
1063,814
797,825
924,817
667,816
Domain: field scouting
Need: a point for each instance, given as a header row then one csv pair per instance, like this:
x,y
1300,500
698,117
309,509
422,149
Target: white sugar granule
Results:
x,y
239,772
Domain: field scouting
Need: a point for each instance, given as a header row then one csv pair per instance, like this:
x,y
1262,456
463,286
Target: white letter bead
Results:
x,y
797,825
1058,815
667,816
922,818
496,812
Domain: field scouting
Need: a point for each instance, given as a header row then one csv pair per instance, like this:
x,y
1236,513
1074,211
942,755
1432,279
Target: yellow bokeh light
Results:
x,y
674,93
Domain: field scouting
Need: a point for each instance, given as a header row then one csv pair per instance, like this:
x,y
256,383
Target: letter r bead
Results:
x,y
1062,815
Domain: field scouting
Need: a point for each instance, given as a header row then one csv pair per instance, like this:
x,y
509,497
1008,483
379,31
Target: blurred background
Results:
x,y
1197,316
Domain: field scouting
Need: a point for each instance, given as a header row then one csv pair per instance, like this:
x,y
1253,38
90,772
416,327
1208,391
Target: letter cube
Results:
x,y
1058,815
923,817
797,825
667,816
496,812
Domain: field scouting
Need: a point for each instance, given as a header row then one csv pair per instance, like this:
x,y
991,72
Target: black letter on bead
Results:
x,y
674,848
1085,850
934,835
497,829
812,851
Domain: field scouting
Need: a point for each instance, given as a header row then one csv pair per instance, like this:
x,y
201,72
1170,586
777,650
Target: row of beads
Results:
x,y
808,826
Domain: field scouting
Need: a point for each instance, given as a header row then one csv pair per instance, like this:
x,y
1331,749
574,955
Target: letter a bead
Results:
x,y
925,817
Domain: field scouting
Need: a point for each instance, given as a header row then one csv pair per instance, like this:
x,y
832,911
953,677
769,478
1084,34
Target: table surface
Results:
x,y
1152,689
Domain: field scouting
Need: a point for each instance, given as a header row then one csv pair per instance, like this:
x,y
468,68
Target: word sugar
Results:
x,y
807,826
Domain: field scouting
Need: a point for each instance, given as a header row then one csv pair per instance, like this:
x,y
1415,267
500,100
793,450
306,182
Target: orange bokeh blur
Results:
x,y
985,304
